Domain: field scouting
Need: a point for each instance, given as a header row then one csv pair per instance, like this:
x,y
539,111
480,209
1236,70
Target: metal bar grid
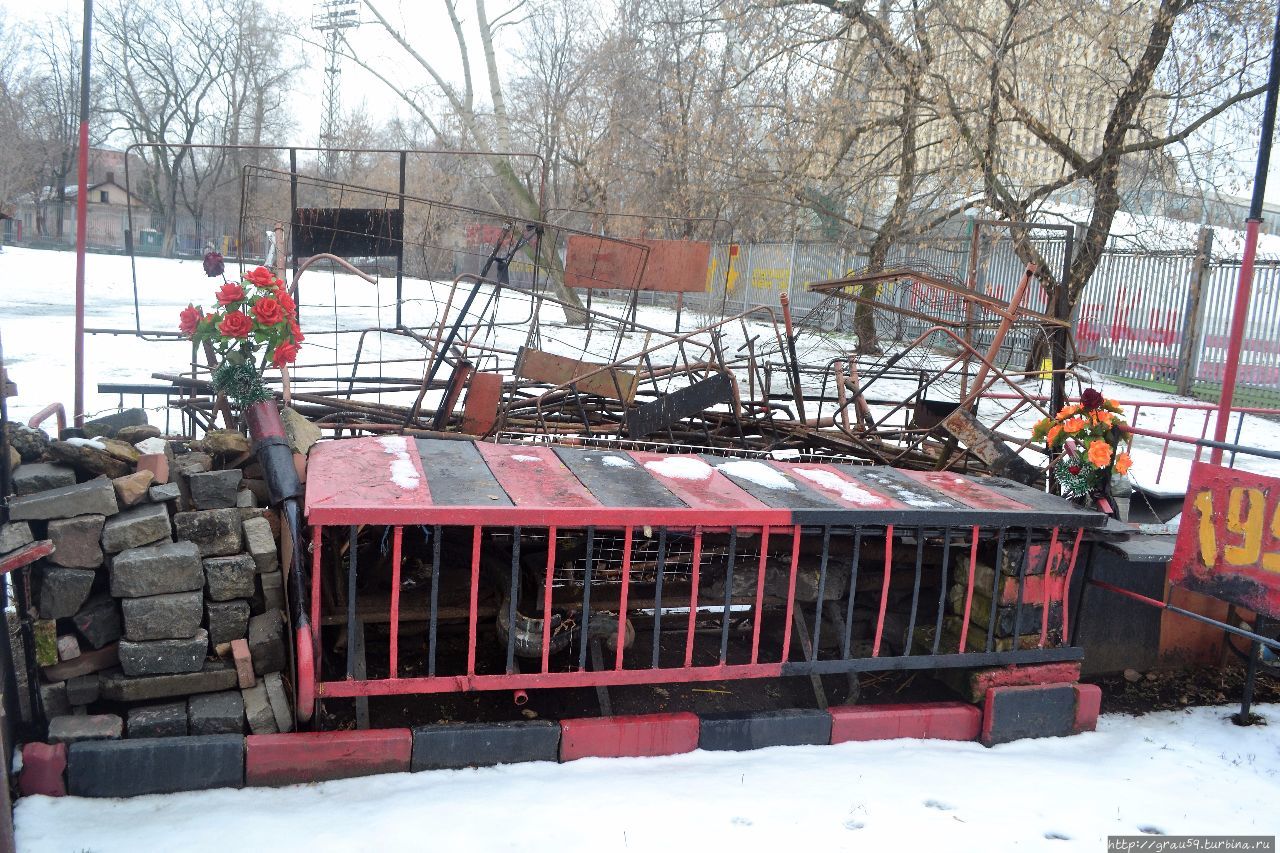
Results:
x,y
738,622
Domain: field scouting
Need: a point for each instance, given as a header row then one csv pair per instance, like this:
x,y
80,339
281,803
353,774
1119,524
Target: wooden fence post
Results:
x,y
1194,311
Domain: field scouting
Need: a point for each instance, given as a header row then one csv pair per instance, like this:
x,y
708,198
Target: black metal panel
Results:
x,y
457,474
678,405
617,484
349,232
1064,512
926,662
800,497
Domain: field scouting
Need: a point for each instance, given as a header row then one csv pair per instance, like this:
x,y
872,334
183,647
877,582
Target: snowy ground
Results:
x,y
37,331
1189,772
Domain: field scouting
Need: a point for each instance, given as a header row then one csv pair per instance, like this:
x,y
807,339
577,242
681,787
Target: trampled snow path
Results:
x,y
1173,772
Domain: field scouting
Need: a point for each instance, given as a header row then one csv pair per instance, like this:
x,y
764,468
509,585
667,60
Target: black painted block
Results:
x,y
793,727
162,765
1012,713
483,744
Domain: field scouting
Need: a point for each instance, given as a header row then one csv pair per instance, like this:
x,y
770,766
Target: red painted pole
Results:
x,y
82,209
1240,313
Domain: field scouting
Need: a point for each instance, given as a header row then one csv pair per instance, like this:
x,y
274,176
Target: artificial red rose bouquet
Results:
x,y
1088,435
254,315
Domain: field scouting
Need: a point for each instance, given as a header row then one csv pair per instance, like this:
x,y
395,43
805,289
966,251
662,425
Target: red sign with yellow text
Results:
x,y
1229,540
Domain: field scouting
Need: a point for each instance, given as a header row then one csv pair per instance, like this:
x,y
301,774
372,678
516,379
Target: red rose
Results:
x,y
1091,399
236,325
1074,469
285,353
230,292
260,276
296,331
268,312
213,265
285,300
189,319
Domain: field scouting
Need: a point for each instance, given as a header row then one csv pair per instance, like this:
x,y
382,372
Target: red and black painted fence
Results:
x,y
527,566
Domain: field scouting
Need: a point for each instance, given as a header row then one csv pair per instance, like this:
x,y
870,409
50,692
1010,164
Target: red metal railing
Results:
x,y
1202,415
713,603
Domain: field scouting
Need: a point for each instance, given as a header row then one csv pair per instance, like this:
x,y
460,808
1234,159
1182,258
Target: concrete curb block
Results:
x,y
132,767
447,746
795,727
933,720
1014,713
633,736
302,757
159,765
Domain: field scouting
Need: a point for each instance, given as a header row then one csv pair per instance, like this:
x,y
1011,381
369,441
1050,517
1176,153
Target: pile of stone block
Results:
x,y
159,611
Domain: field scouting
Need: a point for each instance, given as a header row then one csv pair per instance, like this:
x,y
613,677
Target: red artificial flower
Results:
x,y
296,331
236,325
285,353
1074,469
230,292
285,300
213,265
189,319
260,276
1091,399
268,312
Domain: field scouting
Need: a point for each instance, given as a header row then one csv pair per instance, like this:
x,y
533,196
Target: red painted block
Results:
x,y
43,765
931,720
244,663
616,737
301,757
1088,703
980,681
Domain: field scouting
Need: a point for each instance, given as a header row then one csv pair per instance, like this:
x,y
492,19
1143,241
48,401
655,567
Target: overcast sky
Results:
x,y
427,26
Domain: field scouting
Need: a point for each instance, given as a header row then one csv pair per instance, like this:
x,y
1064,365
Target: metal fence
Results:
x,y
1158,319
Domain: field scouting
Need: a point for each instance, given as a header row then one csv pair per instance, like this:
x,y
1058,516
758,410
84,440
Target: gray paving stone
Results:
x,y
156,569
164,657
63,591
14,535
96,497
227,620
77,541
216,531
266,642
136,527
173,615
98,620
35,477
167,720
77,727
216,713
216,675
229,577
214,489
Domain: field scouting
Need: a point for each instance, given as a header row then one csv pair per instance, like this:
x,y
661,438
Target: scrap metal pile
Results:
x,y
492,337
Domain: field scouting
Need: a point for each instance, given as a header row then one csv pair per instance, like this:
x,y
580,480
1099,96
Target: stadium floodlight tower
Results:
x,y
332,17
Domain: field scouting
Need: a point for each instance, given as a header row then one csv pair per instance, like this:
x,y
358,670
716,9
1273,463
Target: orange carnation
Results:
x,y
1099,453
1074,425
1103,416
1054,432
1068,411
1123,463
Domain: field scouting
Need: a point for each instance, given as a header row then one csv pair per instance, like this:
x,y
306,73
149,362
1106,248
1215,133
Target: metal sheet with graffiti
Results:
x,y
1229,543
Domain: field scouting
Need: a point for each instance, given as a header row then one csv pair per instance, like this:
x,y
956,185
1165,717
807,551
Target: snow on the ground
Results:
x,y
37,333
1189,772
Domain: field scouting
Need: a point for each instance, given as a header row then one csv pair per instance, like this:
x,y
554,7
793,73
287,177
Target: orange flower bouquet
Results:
x,y
1087,436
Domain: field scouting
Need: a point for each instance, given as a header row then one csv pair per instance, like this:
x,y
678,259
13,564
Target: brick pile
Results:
x,y
159,611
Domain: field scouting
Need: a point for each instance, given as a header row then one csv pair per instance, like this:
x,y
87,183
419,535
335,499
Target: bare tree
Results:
x,y
177,75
